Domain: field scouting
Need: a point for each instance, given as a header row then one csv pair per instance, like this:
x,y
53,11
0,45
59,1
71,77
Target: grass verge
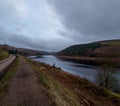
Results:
x,y
87,92
58,93
3,55
4,82
112,94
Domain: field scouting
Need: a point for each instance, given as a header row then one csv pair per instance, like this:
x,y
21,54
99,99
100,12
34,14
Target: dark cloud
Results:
x,y
87,18
30,24
55,24
36,43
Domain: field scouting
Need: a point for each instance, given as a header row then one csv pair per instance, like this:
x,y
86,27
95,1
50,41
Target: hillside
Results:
x,y
22,51
96,53
110,49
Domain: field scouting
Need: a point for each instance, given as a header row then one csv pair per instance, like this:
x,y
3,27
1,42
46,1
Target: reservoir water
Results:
x,y
86,71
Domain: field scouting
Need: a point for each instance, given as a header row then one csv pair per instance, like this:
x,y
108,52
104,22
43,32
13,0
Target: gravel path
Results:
x,y
24,89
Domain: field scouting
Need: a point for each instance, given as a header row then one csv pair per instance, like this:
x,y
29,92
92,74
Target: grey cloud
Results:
x,y
25,41
99,18
82,21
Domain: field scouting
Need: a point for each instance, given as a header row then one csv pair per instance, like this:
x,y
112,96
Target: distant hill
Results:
x,y
22,51
108,48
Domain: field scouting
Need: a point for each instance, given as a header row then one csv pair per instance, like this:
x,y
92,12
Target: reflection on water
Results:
x,y
86,71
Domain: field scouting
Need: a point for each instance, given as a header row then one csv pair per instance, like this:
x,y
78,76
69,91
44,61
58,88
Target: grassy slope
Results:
x,y
66,89
58,93
4,82
3,54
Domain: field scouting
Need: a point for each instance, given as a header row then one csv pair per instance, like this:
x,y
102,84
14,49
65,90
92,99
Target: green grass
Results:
x,y
59,94
3,55
112,94
4,82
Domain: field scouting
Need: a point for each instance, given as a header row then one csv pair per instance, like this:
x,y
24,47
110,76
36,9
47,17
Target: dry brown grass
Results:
x,y
86,91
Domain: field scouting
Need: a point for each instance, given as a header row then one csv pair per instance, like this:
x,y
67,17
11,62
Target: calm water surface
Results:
x,y
86,71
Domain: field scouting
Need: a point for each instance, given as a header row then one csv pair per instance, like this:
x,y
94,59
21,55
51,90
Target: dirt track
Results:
x,y
24,89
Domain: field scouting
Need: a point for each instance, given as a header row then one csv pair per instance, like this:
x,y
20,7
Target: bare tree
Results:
x,y
105,78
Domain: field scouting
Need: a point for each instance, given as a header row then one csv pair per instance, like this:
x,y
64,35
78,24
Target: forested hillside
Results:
x,y
109,49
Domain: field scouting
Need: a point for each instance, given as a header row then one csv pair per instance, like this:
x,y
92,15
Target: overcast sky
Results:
x,y
52,25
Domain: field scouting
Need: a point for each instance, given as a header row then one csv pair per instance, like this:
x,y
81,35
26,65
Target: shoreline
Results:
x,y
80,86
92,60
